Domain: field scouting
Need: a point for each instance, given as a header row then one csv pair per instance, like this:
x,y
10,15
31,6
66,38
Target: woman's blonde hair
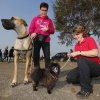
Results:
x,y
80,29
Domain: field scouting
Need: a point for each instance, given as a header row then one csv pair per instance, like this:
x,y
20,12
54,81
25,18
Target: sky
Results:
x,y
26,9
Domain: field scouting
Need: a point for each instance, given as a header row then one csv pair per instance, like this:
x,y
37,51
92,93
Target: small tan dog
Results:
x,y
22,47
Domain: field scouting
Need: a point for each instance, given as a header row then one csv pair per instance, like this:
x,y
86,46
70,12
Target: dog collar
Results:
x,y
53,77
23,37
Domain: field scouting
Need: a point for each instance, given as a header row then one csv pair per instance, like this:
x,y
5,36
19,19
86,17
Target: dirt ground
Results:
x,y
62,90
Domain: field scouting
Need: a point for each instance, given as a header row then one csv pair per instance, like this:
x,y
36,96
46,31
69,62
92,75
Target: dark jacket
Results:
x,y
5,52
0,53
11,52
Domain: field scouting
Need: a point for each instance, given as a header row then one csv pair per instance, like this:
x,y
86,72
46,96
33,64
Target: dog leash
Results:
x,y
69,60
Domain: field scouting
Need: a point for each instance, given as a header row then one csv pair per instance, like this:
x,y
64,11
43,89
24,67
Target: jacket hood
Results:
x,y
46,17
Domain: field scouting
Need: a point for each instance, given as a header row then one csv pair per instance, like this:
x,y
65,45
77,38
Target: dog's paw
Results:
x,y
13,84
49,92
26,82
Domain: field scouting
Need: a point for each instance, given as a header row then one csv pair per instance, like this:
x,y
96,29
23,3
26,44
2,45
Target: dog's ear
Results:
x,y
24,22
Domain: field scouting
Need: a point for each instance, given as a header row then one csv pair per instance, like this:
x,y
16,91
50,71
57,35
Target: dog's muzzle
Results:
x,y
7,24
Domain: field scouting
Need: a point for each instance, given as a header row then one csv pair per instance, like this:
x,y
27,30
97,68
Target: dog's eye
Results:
x,y
12,18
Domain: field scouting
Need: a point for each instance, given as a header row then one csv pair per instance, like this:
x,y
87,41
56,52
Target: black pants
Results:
x,y
83,73
36,53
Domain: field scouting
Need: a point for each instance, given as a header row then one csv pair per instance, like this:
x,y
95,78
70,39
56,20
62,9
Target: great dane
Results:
x,y
22,47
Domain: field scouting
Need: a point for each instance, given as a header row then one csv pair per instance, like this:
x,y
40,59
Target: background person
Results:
x,y
5,53
0,55
88,62
11,55
41,25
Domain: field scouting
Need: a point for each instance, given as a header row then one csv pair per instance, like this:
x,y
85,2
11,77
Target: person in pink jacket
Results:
x,y
40,29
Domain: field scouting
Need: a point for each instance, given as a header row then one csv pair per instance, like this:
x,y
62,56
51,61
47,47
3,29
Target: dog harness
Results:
x,y
24,51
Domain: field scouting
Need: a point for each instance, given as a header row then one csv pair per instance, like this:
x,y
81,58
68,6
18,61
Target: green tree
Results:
x,y
69,13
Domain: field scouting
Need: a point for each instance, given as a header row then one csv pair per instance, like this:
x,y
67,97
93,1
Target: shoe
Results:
x,y
82,94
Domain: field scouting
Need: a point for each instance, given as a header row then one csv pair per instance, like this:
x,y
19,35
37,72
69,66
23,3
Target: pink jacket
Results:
x,y
38,22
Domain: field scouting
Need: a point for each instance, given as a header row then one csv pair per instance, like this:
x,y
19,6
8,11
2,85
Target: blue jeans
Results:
x,y
83,73
36,53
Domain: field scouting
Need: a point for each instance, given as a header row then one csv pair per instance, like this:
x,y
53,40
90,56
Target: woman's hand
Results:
x,y
74,54
33,35
44,29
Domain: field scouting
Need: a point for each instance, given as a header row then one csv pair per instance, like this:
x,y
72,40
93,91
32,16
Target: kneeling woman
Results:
x,y
88,62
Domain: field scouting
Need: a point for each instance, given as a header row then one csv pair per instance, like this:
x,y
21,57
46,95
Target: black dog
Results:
x,y
48,77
